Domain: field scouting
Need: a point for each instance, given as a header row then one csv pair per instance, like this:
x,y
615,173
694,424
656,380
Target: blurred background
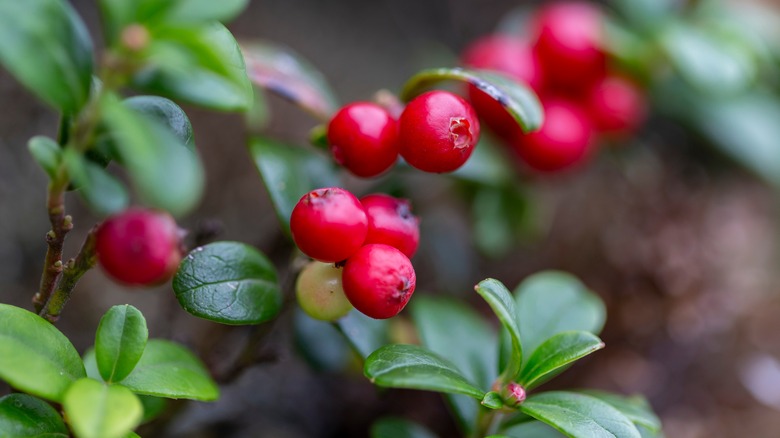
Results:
x,y
679,238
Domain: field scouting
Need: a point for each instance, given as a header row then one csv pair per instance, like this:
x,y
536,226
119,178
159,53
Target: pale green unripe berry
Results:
x,y
319,292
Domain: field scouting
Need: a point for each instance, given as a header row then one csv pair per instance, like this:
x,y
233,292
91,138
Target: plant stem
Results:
x,y
71,273
486,422
61,224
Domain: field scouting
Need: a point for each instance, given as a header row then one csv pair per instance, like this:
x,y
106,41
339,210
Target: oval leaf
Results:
x,y
98,410
35,357
579,415
410,366
203,11
552,302
390,427
120,342
500,300
167,113
46,46
635,408
364,334
556,353
101,191
517,98
169,370
281,71
166,173
229,283
288,173
22,415
531,429
47,153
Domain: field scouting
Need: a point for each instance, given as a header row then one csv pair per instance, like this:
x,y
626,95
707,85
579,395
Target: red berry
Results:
x,y
616,106
568,44
379,280
390,221
139,247
563,140
329,224
363,137
438,131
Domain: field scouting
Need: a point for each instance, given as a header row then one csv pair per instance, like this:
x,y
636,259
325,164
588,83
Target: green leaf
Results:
x,y
578,415
22,415
153,407
556,353
47,153
229,283
646,14
119,342
169,370
390,427
103,193
167,113
290,172
282,71
35,357
47,48
635,408
201,11
517,98
365,334
166,173
487,166
410,366
531,429
500,300
492,400
200,65
98,410
90,364
552,302
320,343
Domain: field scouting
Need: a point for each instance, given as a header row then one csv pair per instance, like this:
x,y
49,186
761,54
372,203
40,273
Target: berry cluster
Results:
x,y
370,240
563,61
436,132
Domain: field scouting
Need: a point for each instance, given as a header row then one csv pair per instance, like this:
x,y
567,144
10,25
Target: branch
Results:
x,y
61,224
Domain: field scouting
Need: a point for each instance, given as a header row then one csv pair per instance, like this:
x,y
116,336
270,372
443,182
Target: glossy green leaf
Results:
x,y
531,429
90,364
290,172
98,410
102,192
320,343
201,65
200,11
229,283
282,71
169,370
492,400
500,300
119,342
635,408
556,353
390,427
23,415
167,113
35,357
517,98
47,153
46,46
552,302
578,415
365,334
166,173
414,367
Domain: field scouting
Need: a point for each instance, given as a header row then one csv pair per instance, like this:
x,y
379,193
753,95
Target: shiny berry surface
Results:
x,y
563,140
319,292
139,247
390,221
438,131
616,106
379,280
363,137
329,224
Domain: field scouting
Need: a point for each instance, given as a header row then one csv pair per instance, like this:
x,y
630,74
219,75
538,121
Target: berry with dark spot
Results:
x,y
390,221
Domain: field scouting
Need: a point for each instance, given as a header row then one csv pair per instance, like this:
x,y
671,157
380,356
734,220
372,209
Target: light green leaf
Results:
x,y
635,408
35,357
153,407
201,11
23,415
120,341
390,427
169,370
531,429
410,366
98,410
556,353
229,283
500,300
47,48
101,191
47,153
167,113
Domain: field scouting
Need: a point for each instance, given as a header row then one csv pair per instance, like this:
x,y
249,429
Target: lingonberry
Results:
x,y
319,292
563,140
390,221
363,137
616,106
568,44
329,224
139,247
438,131
511,56
379,280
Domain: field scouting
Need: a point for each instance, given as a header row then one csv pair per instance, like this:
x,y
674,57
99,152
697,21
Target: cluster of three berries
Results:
x,y
373,238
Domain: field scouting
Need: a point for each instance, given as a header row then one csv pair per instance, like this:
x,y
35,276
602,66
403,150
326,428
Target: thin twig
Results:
x,y
61,224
